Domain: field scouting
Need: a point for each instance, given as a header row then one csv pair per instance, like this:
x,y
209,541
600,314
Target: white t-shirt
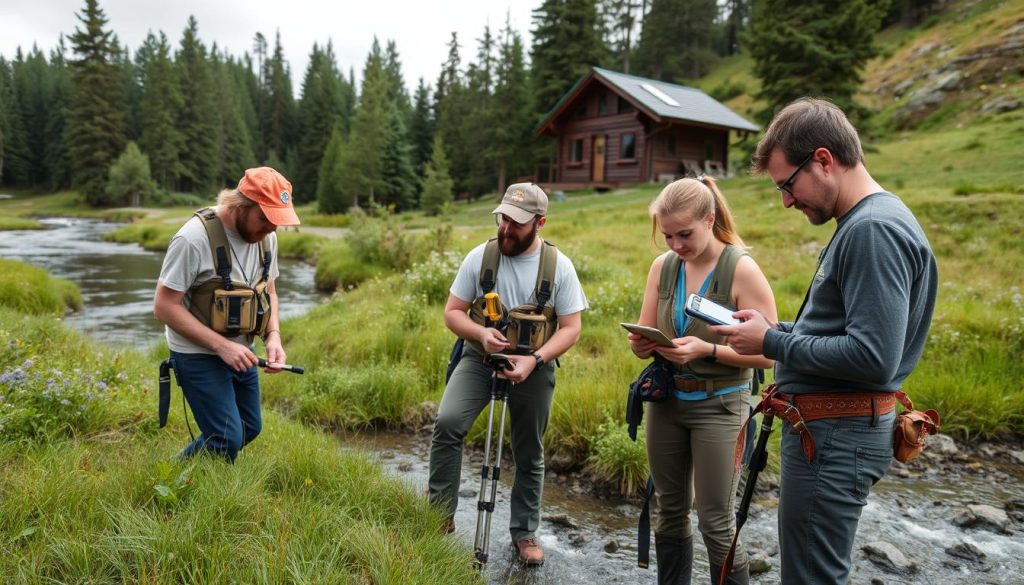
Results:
x,y
189,262
516,279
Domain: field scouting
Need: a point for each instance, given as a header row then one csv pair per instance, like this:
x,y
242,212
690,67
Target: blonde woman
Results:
x,y
691,436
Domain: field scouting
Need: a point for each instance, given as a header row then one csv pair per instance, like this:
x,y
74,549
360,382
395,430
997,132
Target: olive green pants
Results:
x,y
529,403
690,450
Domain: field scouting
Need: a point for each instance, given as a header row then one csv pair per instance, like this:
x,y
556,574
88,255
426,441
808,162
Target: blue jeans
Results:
x,y
820,501
225,403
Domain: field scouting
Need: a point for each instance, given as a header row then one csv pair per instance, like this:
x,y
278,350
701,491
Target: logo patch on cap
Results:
x,y
284,197
518,196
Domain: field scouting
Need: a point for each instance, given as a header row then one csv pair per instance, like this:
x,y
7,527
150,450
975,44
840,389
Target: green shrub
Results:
x,y
433,277
360,396
617,458
28,289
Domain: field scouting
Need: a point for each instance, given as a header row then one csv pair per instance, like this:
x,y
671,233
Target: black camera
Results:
x,y
498,361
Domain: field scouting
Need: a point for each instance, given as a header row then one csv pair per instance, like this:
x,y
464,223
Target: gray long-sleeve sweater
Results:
x,y
870,305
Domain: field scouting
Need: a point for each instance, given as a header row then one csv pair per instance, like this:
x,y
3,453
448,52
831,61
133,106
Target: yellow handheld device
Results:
x,y
492,306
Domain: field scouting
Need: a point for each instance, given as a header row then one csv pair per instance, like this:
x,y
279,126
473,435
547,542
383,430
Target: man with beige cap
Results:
x,y
215,295
532,278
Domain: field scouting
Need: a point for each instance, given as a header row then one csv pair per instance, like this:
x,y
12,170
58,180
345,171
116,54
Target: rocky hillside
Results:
x,y
964,62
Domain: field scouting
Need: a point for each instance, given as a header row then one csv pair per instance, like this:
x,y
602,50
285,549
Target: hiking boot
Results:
x,y
529,552
448,526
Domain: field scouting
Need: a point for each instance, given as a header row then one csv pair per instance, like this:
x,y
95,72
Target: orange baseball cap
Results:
x,y
272,192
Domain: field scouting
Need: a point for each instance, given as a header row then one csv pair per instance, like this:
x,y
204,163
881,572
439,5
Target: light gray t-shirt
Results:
x,y
517,276
189,262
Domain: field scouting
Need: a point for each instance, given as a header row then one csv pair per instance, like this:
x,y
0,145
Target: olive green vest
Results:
x,y
201,295
717,374
542,292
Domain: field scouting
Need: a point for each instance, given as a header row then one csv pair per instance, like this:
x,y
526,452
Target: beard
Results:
x,y
511,244
242,226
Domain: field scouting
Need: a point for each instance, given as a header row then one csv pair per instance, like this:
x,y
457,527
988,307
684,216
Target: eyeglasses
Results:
x,y
785,186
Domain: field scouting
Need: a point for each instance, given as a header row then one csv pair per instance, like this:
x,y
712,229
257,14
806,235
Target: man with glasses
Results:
x,y
859,333
216,369
520,217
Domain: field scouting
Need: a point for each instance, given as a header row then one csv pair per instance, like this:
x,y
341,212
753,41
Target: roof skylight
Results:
x,y
659,94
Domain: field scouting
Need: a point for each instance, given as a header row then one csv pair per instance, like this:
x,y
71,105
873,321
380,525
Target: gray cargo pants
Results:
x,y
529,403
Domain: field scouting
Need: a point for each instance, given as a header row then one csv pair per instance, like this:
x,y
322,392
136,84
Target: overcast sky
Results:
x,y
421,28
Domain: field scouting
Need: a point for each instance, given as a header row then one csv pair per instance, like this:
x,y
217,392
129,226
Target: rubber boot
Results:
x,y
739,576
675,560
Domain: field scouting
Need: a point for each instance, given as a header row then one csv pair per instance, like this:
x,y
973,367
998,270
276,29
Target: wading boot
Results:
x,y
529,552
675,559
740,576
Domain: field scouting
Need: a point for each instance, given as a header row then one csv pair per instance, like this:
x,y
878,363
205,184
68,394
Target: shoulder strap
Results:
x,y
265,258
669,275
489,265
721,283
218,244
545,274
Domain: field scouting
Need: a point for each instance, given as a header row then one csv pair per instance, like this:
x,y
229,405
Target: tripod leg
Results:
x,y
484,506
494,476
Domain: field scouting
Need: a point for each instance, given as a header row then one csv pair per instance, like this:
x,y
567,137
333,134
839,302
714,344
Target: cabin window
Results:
x,y
576,151
627,146
625,106
602,105
670,145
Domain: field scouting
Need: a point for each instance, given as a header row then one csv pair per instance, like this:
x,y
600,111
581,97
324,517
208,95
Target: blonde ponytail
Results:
x,y
699,197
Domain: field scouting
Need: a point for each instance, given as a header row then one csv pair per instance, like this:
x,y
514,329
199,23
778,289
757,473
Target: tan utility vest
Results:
x,y
227,306
717,374
528,326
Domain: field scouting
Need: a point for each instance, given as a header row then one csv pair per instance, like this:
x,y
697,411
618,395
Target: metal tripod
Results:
x,y
485,504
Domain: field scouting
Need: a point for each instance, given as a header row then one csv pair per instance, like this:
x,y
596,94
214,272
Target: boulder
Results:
x,y
887,556
1000,104
941,444
983,516
966,551
759,563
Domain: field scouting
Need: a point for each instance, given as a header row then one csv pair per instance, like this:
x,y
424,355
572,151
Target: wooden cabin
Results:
x,y
614,129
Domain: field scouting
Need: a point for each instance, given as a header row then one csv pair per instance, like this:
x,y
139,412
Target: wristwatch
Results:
x,y
714,354
540,360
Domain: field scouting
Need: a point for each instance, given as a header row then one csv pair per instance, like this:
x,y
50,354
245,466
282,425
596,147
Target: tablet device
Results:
x,y
709,311
651,333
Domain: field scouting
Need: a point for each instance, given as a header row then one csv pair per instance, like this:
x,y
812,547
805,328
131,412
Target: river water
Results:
x,y
586,539
118,280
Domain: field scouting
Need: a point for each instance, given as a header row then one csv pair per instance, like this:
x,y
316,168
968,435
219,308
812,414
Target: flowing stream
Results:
x,y
118,280
585,539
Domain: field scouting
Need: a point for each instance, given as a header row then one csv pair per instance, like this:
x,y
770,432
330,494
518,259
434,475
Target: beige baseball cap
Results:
x,y
523,201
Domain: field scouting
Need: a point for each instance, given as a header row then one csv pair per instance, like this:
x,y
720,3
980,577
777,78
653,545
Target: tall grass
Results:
x,y
91,494
28,289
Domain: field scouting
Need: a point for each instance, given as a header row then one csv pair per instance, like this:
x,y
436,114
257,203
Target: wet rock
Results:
x,y
759,563
877,581
611,546
561,462
467,493
967,551
562,520
578,539
887,556
940,445
1017,456
405,467
983,516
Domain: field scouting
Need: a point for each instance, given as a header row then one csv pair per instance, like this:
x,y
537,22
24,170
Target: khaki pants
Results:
x,y
529,403
690,449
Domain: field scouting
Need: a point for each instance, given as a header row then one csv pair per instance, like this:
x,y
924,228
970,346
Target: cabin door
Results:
x,y
598,154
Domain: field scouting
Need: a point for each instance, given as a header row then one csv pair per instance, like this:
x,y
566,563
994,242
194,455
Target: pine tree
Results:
x,y
335,192
450,110
33,94
478,120
277,116
96,132
568,39
369,126
620,18
398,181
395,81
160,138
437,184
677,40
130,182
819,49
511,138
14,155
197,118
421,131
233,140
319,110
58,158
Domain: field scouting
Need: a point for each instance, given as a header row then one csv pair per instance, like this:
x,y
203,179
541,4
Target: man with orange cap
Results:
x,y
215,294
